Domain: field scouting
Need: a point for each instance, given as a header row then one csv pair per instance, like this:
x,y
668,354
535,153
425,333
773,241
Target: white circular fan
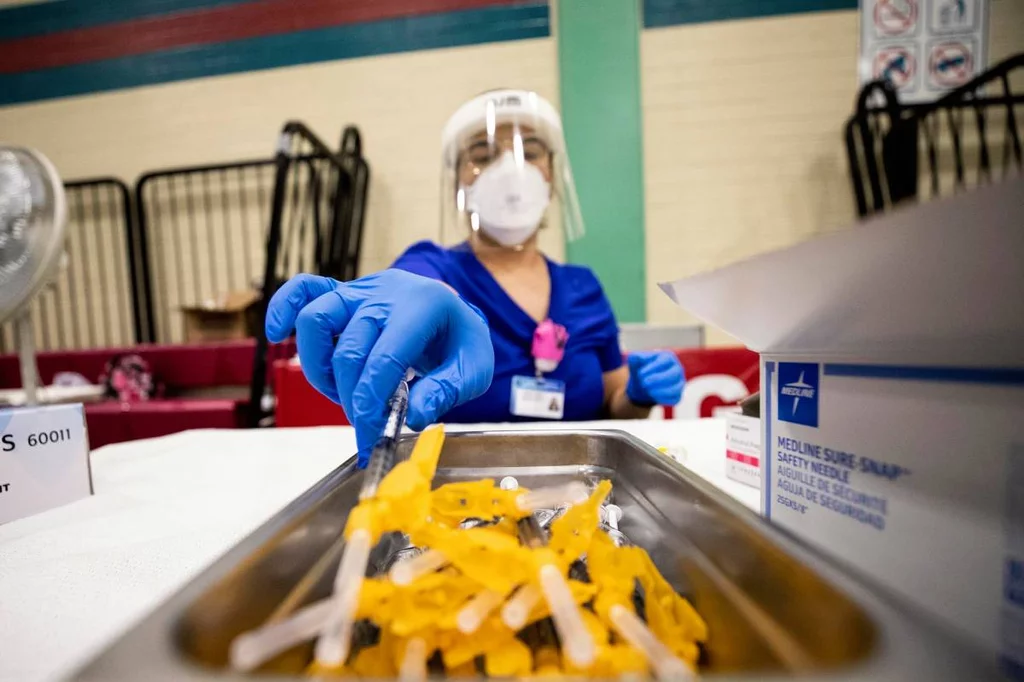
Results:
x,y
33,216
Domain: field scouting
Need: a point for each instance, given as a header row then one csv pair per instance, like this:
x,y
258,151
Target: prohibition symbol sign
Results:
x,y
895,17
950,64
896,65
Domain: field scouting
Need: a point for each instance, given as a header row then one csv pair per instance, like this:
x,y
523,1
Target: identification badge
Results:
x,y
539,398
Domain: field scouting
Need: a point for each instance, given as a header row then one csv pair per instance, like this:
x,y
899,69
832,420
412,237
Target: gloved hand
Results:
x,y
655,378
357,339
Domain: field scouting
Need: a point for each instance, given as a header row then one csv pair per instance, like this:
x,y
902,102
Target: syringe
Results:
x,y
382,458
577,643
333,645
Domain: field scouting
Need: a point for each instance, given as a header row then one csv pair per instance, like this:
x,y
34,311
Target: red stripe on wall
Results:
x,y
222,24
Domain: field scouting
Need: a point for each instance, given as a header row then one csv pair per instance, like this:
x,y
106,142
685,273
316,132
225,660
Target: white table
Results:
x,y
74,578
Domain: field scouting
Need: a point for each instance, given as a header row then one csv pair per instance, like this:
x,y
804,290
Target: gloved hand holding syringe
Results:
x,y
333,617
357,339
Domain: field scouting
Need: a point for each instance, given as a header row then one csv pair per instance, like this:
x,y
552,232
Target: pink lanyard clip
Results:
x,y
549,341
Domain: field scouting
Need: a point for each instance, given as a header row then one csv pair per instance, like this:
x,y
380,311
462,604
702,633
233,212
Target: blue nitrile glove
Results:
x,y
655,378
357,339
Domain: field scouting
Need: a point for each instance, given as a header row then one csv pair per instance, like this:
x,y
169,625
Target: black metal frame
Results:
x,y
883,142
353,208
326,182
190,208
179,204
99,211
315,224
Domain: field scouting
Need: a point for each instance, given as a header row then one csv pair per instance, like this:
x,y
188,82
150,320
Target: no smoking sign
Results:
x,y
896,17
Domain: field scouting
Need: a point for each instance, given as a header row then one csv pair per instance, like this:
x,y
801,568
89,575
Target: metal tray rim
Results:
x,y
910,644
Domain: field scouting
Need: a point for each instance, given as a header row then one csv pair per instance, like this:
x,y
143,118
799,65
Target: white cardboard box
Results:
x,y
892,383
743,449
44,459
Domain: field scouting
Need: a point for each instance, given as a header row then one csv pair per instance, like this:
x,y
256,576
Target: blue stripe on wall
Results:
x,y
406,34
672,12
55,16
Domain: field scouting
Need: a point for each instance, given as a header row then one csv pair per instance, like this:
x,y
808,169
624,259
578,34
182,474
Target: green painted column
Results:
x,y
599,74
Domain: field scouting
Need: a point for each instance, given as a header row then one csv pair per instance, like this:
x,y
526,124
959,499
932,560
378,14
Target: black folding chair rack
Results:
x,y
905,152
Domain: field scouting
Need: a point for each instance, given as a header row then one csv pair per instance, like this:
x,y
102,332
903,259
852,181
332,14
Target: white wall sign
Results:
x,y
44,459
924,47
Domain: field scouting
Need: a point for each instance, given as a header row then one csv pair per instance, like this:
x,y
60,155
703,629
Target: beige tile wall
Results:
x,y
742,131
1006,31
400,103
743,143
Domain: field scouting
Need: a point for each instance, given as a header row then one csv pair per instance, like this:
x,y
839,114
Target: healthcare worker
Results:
x,y
495,330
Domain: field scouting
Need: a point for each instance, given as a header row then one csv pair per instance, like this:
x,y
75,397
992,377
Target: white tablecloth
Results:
x,y
74,578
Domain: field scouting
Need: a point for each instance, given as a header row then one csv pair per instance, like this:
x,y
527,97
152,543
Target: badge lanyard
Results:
x,y
535,396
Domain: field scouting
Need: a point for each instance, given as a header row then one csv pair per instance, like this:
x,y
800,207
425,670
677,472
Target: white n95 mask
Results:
x,y
509,200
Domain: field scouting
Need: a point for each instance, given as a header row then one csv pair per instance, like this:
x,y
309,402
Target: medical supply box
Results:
x,y
743,449
892,393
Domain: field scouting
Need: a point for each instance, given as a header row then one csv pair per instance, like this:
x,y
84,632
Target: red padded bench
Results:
x,y
187,372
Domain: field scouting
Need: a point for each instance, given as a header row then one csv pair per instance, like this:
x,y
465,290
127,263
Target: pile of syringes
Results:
x,y
490,580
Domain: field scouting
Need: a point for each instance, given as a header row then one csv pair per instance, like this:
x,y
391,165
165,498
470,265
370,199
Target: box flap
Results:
x,y
941,282
230,302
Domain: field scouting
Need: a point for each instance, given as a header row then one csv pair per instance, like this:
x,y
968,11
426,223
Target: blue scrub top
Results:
x,y
577,302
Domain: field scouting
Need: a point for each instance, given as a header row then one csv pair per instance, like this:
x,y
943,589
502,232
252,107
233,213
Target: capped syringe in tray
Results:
x,y
332,647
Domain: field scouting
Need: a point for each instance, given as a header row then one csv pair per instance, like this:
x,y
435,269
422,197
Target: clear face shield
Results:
x,y
506,174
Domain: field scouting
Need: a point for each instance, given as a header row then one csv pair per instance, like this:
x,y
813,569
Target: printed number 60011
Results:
x,y
46,437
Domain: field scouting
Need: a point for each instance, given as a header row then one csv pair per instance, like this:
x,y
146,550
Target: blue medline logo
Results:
x,y
798,393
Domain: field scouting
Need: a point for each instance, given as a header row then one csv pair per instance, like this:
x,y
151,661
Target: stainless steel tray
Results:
x,y
774,608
